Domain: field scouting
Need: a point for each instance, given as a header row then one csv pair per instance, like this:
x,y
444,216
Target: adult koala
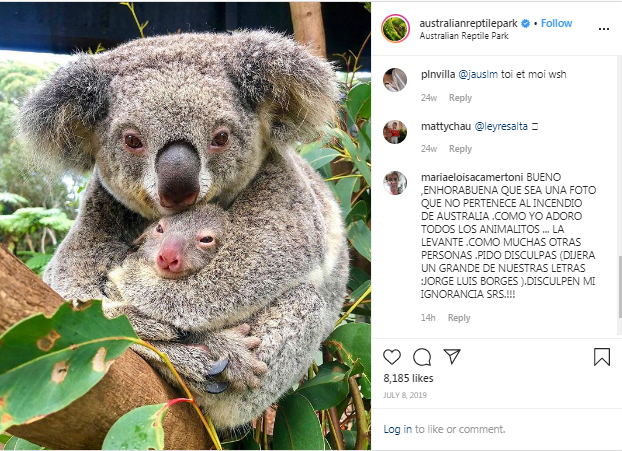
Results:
x,y
169,122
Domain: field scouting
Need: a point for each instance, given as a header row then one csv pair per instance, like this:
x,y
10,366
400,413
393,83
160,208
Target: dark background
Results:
x,y
71,27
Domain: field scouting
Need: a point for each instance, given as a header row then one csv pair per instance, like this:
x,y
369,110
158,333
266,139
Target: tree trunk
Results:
x,y
129,383
308,26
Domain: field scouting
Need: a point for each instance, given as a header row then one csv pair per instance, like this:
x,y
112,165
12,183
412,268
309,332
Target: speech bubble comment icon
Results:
x,y
422,357
392,355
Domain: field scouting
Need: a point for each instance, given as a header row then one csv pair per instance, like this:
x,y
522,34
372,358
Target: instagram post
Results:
x,y
185,219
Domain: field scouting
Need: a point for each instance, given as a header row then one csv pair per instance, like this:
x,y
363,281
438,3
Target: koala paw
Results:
x,y
244,368
221,360
236,346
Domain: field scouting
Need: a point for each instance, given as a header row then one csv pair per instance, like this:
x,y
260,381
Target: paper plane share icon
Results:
x,y
452,353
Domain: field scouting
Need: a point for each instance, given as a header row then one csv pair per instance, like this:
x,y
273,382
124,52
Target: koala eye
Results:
x,y
132,142
220,139
159,228
206,241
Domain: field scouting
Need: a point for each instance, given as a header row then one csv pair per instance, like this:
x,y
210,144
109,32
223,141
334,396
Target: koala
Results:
x,y
176,247
171,122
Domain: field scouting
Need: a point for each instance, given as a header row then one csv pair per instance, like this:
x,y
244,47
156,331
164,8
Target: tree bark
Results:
x,y
129,383
308,26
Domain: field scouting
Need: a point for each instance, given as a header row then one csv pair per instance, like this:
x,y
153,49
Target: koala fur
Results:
x,y
272,293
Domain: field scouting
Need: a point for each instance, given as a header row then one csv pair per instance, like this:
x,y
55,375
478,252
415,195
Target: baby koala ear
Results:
x,y
295,91
58,119
135,245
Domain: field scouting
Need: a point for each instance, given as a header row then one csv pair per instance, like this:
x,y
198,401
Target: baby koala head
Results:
x,y
180,245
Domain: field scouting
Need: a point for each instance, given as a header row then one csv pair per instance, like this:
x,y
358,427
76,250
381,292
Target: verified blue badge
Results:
x,y
525,23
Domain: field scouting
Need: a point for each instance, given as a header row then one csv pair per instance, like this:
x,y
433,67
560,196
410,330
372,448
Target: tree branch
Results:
x,y
309,26
129,383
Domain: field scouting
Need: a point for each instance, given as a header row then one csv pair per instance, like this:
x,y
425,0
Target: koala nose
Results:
x,y
170,256
178,202
177,169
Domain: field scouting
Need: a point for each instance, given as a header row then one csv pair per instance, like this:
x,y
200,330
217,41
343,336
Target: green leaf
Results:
x,y
357,277
320,156
313,145
363,310
349,438
20,443
365,141
353,341
248,442
358,212
344,188
358,104
328,388
11,198
356,294
47,363
4,438
38,261
296,425
140,428
360,237
325,171
358,157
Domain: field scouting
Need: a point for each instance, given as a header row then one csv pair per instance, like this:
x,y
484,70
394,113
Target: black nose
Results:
x,y
177,169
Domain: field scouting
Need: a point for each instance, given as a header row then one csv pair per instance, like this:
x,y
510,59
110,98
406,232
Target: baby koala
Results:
x,y
178,246
174,248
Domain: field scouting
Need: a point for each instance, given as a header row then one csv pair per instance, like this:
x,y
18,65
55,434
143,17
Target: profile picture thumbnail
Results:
x,y
395,28
394,132
394,79
395,183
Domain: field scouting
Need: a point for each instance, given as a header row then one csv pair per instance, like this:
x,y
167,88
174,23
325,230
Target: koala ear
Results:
x,y
281,79
135,245
58,118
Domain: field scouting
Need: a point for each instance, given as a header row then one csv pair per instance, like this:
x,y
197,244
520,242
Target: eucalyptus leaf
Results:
x,y
358,104
365,141
344,188
306,148
47,363
20,443
358,212
140,428
296,425
357,155
248,442
356,294
357,277
320,156
328,388
349,438
353,341
360,237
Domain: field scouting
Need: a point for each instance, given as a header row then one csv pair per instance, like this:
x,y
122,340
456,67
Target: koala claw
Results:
x,y
182,335
217,368
215,387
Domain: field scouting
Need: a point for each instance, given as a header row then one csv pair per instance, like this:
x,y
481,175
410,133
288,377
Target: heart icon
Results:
x,y
392,355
